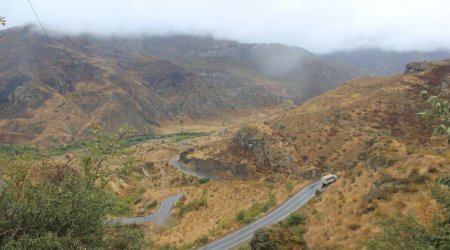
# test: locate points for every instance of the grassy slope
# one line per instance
(367, 132)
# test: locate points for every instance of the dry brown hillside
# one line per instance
(51, 90)
(367, 132)
(330, 131)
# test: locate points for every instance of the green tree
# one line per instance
(49, 205)
(100, 148)
(440, 109)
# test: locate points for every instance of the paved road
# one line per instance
(176, 163)
(238, 237)
(184, 142)
(157, 217)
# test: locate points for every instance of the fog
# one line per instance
(317, 25)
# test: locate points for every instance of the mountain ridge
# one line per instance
(52, 91)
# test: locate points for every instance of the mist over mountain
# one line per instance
(51, 91)
(321, 26)
(383, 62)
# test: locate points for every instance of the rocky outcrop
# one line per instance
(267, 155)
(417, 67)
(213, 167)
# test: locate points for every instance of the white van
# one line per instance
(327, 179)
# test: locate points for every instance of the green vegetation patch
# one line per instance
(249, 215)
(16, 149)
(191, 206)
(184, 135)
(286, 234)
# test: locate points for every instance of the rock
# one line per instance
(309, 173)
(416, 67)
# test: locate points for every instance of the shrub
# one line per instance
(194, 205)
(45, 205)
(201, 240)
(354, 226)
(249, 215)
(295, 219)
(289, 186)
(203, 180)
(152, 204)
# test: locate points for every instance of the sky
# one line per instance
(320, 26)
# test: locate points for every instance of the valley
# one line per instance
(379, 171)
(225, 142)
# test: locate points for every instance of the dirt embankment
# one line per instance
(213, 167)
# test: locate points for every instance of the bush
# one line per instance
(152, 204)
(295, 219)
(354, 227)
(183, 135)
(289, 186)
(406, 232)
(194, 205)
(203, 180)
(45, 205)
(249, 215)
(201, 240)
(125, 237)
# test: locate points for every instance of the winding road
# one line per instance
(176, 163)
(158, 217)
(238, 237)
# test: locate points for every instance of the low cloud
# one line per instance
(320, 26)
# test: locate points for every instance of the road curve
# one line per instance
(176, 163)
(238, 237)
(157, 217)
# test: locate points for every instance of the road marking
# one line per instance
(246, 232)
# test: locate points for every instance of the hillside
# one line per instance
(288, 71)
(383, 62)
(367, 132)
(52, 90)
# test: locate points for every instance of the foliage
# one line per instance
(125, 237)
(405, 232)
(102, 146)
(128, 141)
(246, 136)
(152, 204)
(183, 135)
(121, 206)
(18, 149)
(249, 215)
(289, 186)
(61, 150)
(201, 240)
(133, 140)
(2, 20)
(401, 233)
(287, 234)
(59, 205)
(440, 109)
(46, 241)
(193, 205)
(295, 219)
(203, 180)
(47, 205)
